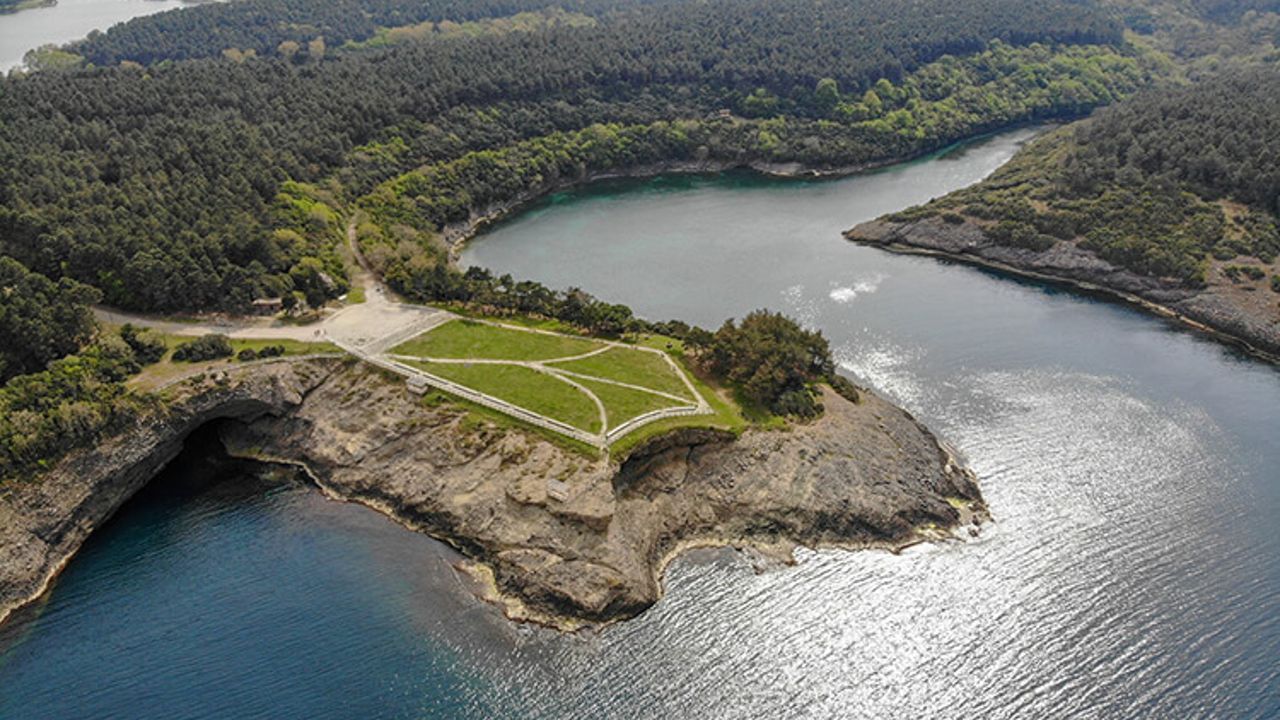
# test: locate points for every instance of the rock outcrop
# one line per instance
(564, 539)
(1214, 310)
(44, 521)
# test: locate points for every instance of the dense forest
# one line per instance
(40, 320)
(944, 100)
(170, 188)
(1158, 184)
(887, 34)
(1233, 10)
(197, 160)
(263, 26)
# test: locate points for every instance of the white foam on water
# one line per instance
(848, 293)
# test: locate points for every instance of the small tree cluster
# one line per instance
(208, 347)
(772, 361)
(147, 347)
(265, 353)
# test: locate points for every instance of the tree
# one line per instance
(207, 347)
(772, 361)
(40, 320)
(826, 96)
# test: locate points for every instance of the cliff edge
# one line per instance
(1232, 316)
(559, 538)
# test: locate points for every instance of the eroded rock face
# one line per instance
(567, 540)
(1216, 310)
(44, 521)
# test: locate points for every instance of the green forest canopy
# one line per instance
(181, 186)
(1139, 182)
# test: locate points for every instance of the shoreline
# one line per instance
(457, 236)
(1089, 288)
(27, 5)
(589, 560)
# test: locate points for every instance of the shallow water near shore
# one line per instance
(1133, 569)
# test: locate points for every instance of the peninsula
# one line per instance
(566, 539)
(1168, 200)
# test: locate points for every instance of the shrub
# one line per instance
(147, 347)
(1016, 233)
(845, 388)
(209, 347)
(247, 355)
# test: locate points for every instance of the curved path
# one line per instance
(692, 404)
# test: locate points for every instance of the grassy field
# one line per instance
(621, 404)
(461, 339)
(525, 387)
(636, 367)
(478, 414)
(526, 382)
(726, 416)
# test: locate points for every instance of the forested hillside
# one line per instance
(261, 26)
(203, 184)
(1161, 184)
(885, 35)
(949, 99)
(1233, 10)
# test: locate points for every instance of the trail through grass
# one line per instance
(462, 339)
(525, 387)
(636, 367)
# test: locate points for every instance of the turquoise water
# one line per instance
(1133, 569)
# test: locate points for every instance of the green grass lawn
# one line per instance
(636, 367)
(726, 416)
(468, 339)
(530, 389)
(621, 404)
(540, 393)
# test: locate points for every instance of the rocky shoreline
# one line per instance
(558, 538)
(1209, 310)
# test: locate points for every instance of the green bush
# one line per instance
(772, 362)
(1016, 233)
(209, 347)
(148, 348)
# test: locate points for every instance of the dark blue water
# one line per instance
(233, 590)
(1133, 469)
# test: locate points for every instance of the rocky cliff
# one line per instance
(44, 521)
(560, 538)
(1231, 316)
